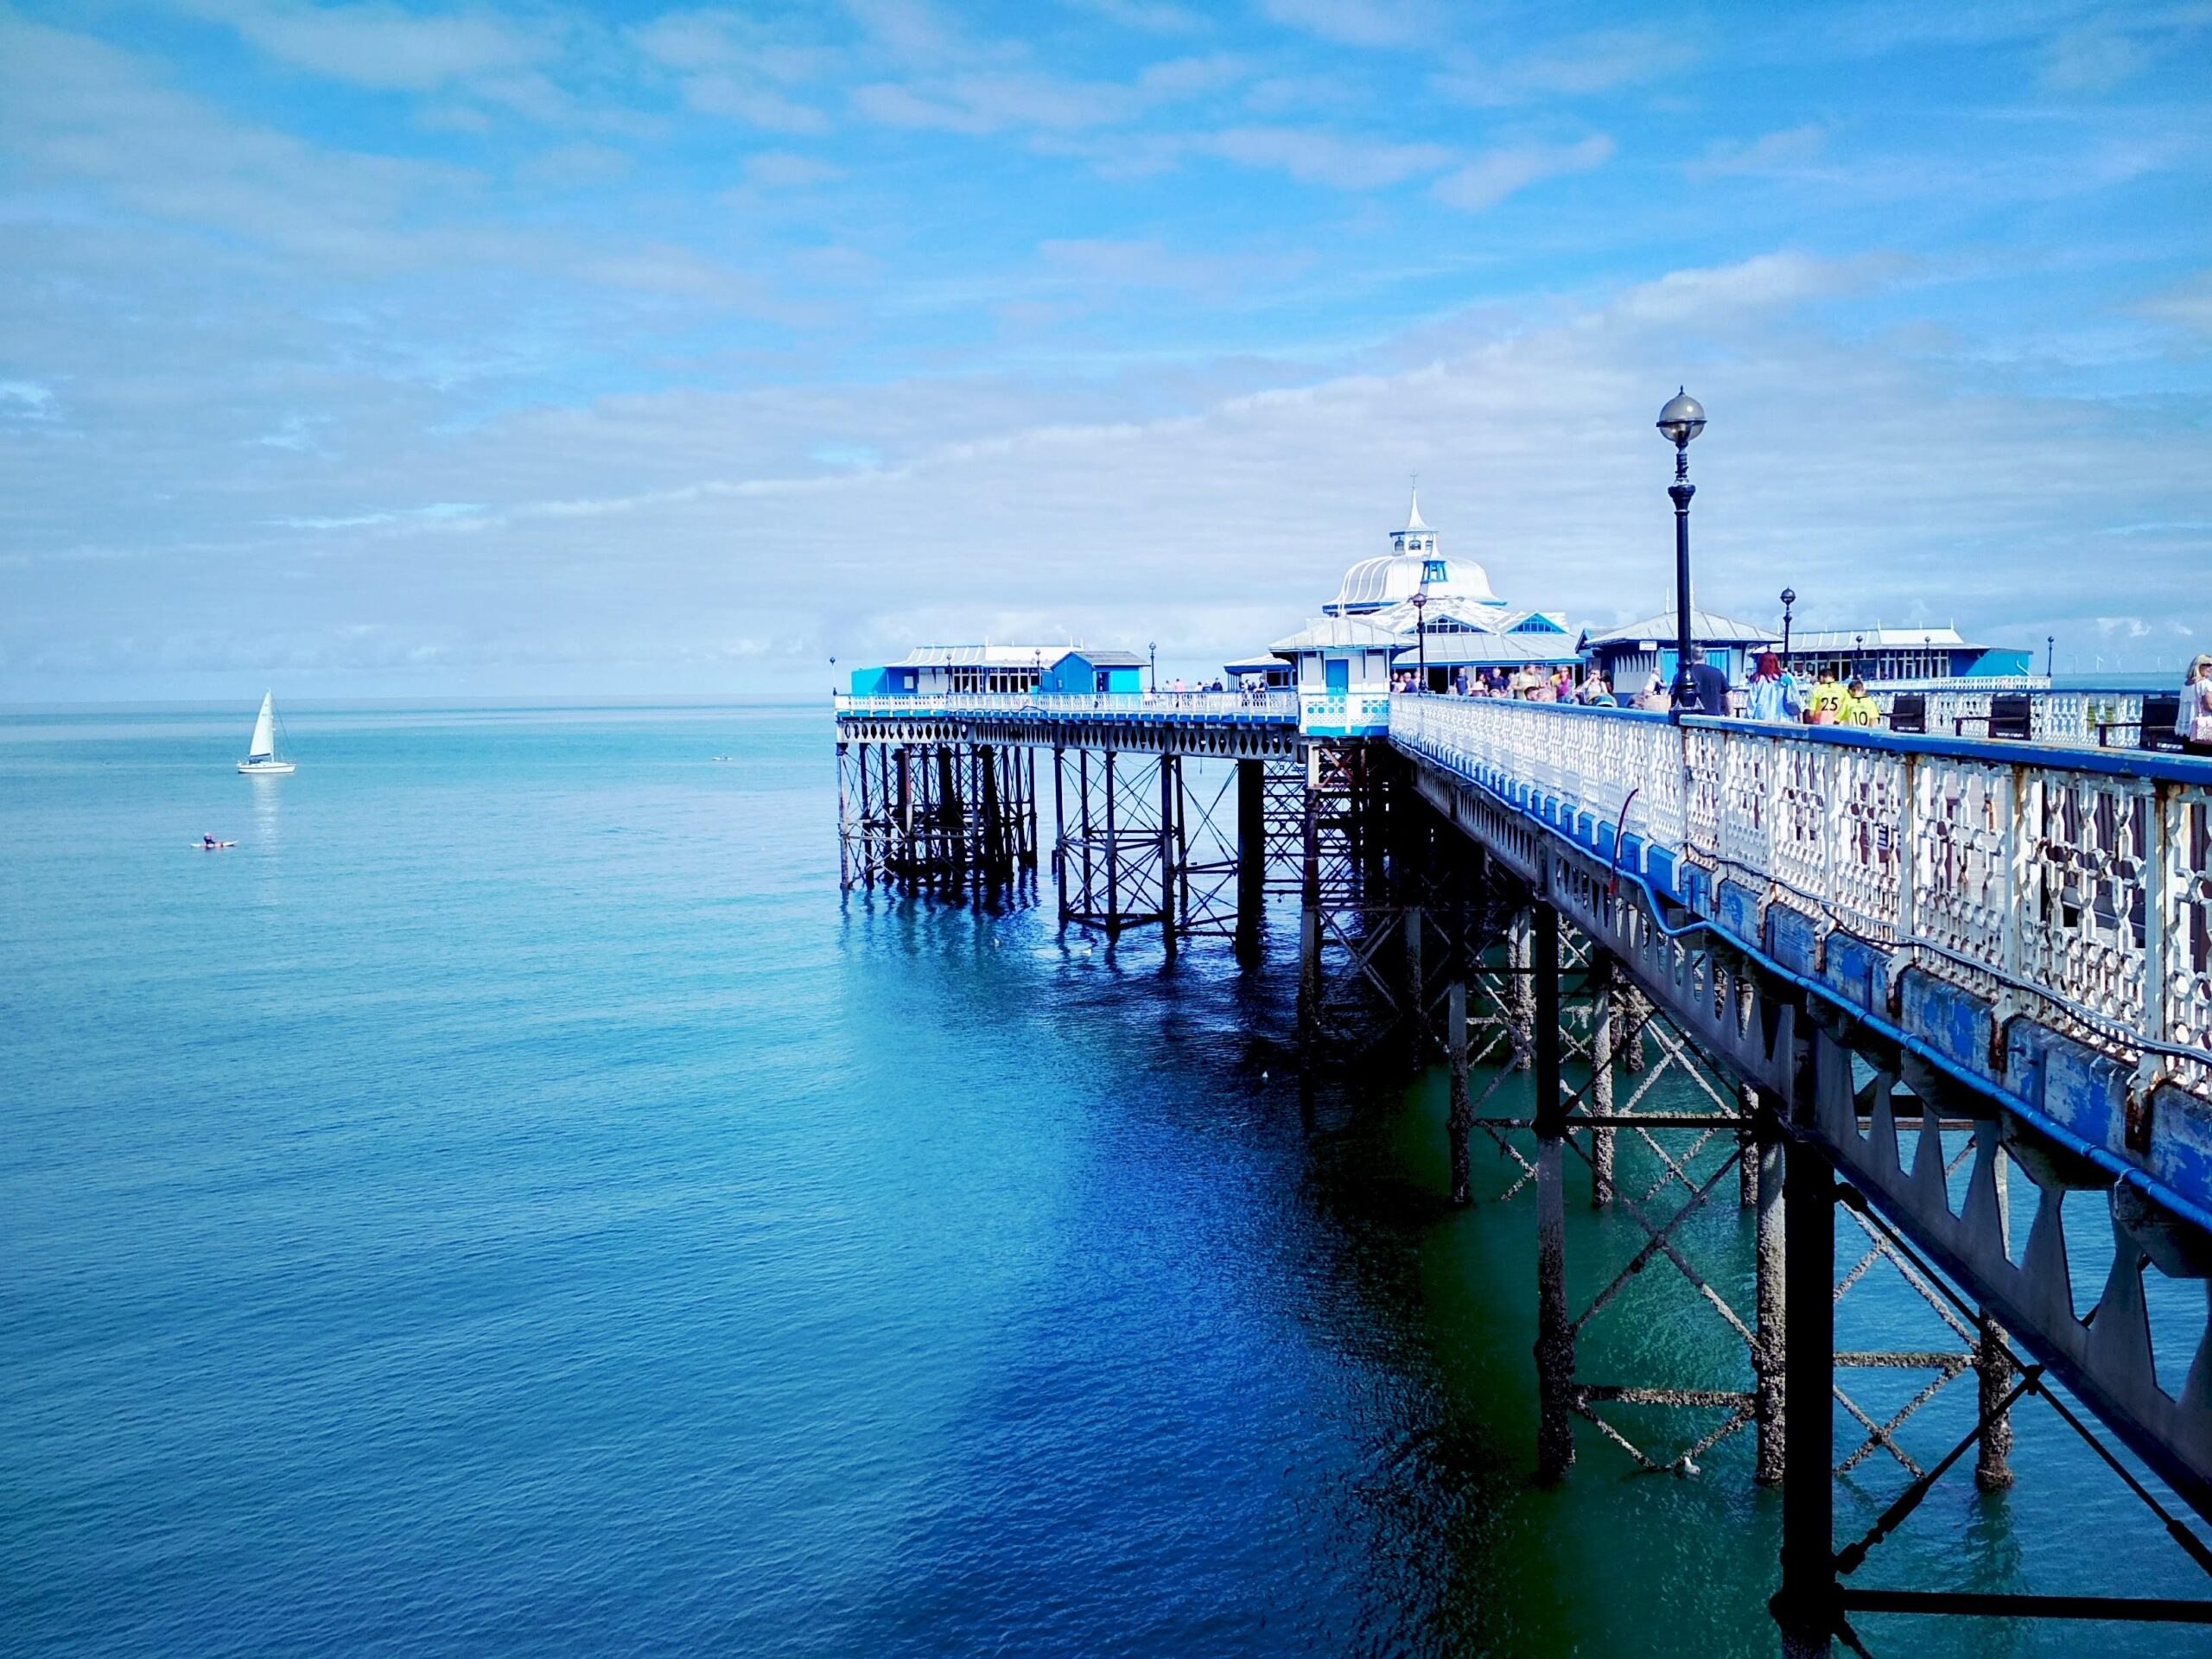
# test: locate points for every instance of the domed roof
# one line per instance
(1412, 566)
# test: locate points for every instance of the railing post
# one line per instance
(2017, 873)
(2159, 886)
(1908, 847)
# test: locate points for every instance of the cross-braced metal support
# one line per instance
(934, 814)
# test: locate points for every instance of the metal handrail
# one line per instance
(1210, 705)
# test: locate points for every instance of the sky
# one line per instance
(392, 350)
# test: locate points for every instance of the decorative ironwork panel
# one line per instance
(2088, 842)
(1862, 838)
(1962, 836)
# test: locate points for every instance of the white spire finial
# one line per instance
(1413, 518)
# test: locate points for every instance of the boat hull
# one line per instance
(266, 768)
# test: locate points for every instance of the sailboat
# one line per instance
(261, 756)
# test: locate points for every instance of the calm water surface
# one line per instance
(512, 1204)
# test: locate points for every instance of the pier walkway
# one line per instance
(1947, 984)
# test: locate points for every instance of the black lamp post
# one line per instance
(2049, 654)
(1789, 598)
(1682, 419)
(1858, 650)
(1420, 634)
(1152, 655)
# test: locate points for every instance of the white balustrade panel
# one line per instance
(1961, 862)
(2082, 912)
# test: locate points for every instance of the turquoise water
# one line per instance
(513, 1203)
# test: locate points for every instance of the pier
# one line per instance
(1949, 997)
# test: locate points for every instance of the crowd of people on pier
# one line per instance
(1769, 695)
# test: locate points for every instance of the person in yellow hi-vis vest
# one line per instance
(1856, 708)
(1824, 707)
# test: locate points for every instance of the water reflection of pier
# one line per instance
(1954, 996)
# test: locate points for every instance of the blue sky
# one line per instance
(392, 350)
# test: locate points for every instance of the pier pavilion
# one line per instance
(1890, 657)
(992, 670)
(1631, 655)
(1950, 998)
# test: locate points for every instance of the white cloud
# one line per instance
(26, 400)
(737, 100)
(653, 528)
(1156, 17)
(1580, 66)
(1316, 157)
(1772, 152)
(978, 102)
(781, 169)
(1490, 179)
(2092, 61)
(381, 46)
(2187, 307)
(1358, 22)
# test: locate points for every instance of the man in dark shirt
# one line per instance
(1707, 690)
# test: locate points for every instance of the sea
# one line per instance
(515, 1203)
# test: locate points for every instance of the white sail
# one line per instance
(263, 746)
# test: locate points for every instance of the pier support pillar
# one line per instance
(1603, 1004)
(1519, 1009)
(1460, 1121)
(1309, 930)
(997, 866)
(1060, 830)
(1770, 1294)
(1169, 882)
(1416, 992)
(1992, 1468)
(1028, 765)
(1806, 1606)
(951, 848)
(1628, 1013)
(905, 860)
(1554, 1330)
(1113, 856)
(1251, 857)
(1747, 1151)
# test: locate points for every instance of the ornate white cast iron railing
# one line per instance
(2085, 720)
(1210, 705)
(2077, 887)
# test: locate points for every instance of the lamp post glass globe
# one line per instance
(1681, 420)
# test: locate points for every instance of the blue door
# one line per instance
(1336, 674)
